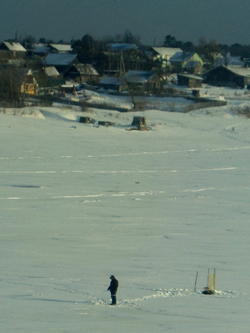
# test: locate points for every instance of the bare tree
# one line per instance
(10, 86)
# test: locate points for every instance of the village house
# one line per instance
(187, 61)
(49, 79)
(113, 83)
(12, 49)
(121, 57)
(161, 55)
(61, 61)
(144, 81)
(27, 81)
(232, 76)
(189, 80)
(60, 48)
(41, 50)
(81, 73)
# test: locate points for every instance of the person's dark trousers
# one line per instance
(113, 297)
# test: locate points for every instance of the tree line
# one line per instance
(90, 44)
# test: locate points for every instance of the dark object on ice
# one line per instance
(208, 291)
(113, 289)
(86, 120)
(140, 123)
(105, 123)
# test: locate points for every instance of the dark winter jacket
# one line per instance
(113, 286)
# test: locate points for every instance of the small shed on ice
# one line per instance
(140, 123)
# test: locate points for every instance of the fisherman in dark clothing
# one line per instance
(113, 289)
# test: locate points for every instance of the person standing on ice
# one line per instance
(113, 289)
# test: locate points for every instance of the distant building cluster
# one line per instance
(50, 68)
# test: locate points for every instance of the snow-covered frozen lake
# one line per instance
(81, 202)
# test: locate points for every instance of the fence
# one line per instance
(203, 105)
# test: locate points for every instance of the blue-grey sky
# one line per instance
(226, 21)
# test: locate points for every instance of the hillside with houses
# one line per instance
(49, 71)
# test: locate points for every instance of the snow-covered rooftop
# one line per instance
(51, 71)
(138, 76)
(112, 80)
(12, 46)
(61, 47)
(166, 51)
(86, 69)
(242, 71)
(181, 56)
(60, 59)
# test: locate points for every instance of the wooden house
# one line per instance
(81, 73)
(232, 76)
(28, 83)
(161, 55)
(163, 52)
(189, 80)
(60, 48)
(193, 67)
(180, 61)
(12, 49)
(144, 81)
(113, 83)
(41, 50)
(61, 61)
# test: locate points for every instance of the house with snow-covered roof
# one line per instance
(41, 49)
(113, 83)
(61, 61)
(163, 52)
(180, 61)
(13, 49)
(189, 80)
(161, 55)
(81, 72)
(232, 76)
(144, 81)
(60, 48)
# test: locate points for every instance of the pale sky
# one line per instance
(226, 21)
